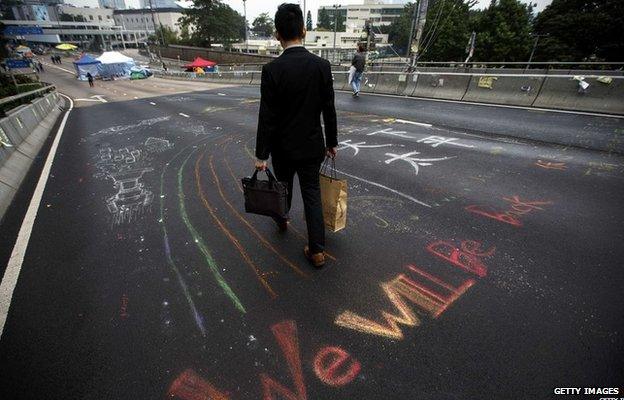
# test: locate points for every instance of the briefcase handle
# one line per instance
(270, 175)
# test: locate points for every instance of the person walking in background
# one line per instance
(53, 59)
(296, 88)
(90, 79)
(40, 65)
(358, 62)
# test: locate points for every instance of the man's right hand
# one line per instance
(331, 152)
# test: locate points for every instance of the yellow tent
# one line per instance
(66, 46)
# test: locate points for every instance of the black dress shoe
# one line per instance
(282, 225)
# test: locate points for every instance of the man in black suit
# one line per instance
(296, 88)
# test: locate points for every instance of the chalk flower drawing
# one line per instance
(414, 162)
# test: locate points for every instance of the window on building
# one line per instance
(91, 17)
(100, 17)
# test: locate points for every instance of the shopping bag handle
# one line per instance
(269, 174)
(332, 169)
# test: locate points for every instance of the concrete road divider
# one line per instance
(340, 80)
(369, 82)
(387, 83)
(441, 86)
(568, 94)
(22, 134)
(513, 90)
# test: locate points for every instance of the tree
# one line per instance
(446, 31)
(324, 22)
(212, 21)
(503, 31)
(399, 29)
(263, 25)
(166, 33)
(576, 30)
(309, 21)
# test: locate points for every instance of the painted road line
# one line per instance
(62, 69)
(403, 121)
(9, 280)
(136, 98)
(184, 115)
(152, 103)
(222, 94)
(379, 185)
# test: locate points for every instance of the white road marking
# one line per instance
(97, 97)
(135, 97)
(152, 103)
(184, 115)
(11, 274)
(407, 196)
(222, 94)
(403, 121)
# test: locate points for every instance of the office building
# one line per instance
(159, 4)
(356, 15)
(113, 4)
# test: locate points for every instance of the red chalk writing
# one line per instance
(467, 256)
(190, 386)
(124, 307)
(518, 208)
(286, 335)
(335, 367)
(561, 166)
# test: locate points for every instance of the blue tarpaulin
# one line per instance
(86, 64)
(114, 64)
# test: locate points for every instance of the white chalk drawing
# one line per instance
(119, 129)
(413, 161)
(157, 145)
(435, 141)
(132, 199)
(125, 167)
(346, 144)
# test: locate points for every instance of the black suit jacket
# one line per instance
(296, 88)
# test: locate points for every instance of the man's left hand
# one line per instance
(261, 165)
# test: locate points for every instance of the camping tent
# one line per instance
(199, 62)
(86, 64)
(114, 64)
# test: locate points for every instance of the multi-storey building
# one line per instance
(114, 4)
(158, 4)
(143, 19)
(355, 15)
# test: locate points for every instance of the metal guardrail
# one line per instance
(11, 102)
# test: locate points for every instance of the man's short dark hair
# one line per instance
(289, 21)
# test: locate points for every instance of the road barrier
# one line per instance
(22, 134)
(605, 93)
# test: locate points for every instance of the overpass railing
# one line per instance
(589, 91)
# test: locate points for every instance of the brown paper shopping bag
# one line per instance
(334, 199)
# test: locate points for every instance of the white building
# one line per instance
(114, 4)
(379, 13)
(158, 4)
(143, 19)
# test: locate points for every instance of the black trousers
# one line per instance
(308, 173)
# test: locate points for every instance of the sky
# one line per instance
(256, 7)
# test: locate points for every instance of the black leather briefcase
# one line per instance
(266, 197)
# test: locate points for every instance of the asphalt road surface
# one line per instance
(478, 262)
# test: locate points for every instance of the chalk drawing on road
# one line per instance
(346, 144)
(561, 166)
(416, 163)
(157, 145)
(132, 198)
(97, 98)
(391, 132)
(119, 129)
(435, 141)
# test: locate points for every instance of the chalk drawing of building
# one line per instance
(131, 199)
(157, 145)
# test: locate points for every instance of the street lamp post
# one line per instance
(245, 13)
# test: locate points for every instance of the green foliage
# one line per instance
(324, 22)
(503, 31)
(165, 33)
(212, 21)
(447, 30)
(399, 30)
(579, 30)
(263, 25)
(309, 21)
